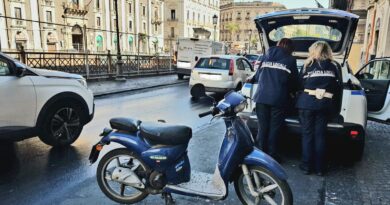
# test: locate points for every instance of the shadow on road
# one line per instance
(8, 160)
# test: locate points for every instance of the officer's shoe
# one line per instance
(305, 169)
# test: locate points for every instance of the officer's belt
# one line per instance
(319, 93)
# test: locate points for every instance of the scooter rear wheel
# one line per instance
(272, 190)
(114, 190)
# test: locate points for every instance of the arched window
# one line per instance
(99, 43)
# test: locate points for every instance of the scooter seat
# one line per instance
(163, 134)
(125, 124)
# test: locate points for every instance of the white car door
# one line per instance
(375, 79)
(17, 99)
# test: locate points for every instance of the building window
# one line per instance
(144, 11)
(193, 16)
(129, 7)
(204, 19)
(155, 28)
(188, 15)
(49, 17)
(75, 2)
(198, 18)
(173, 14)
(18, 12)
(98, 4)
(238, 37)
(144, 27)
(130, 25)
(172, 32)
(98, 23)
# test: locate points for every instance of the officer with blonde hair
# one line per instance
(319, 84)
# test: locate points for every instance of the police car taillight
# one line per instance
(231, 67)
(354, 134)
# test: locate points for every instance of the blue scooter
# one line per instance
(155, 161)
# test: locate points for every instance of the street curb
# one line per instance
(136, 89)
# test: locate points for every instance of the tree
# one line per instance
(233, 27)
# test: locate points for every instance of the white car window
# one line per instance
(4, 69)
(247, 66)
(240, 65)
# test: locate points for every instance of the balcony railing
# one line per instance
(172, 19)
(47, 3)
(75, 9)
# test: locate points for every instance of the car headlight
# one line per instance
(83, 82)
(240, 107)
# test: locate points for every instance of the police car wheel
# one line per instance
(357, 150)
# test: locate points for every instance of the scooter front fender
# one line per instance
(259, 158)
(131, 142)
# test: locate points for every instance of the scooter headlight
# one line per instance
(240, 107)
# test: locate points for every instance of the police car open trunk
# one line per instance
(305, 26)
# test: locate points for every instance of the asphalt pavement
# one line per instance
(34, 173)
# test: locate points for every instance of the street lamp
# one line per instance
(215, 22)
(250, 38)
(118, 45)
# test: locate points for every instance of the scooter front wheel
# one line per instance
(271, 190)
(114, 189)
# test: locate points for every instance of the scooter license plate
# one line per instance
(94, 155)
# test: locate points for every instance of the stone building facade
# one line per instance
(238, 29)
(82, 25)
(372, 39)
(190, 18)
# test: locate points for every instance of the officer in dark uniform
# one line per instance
(319, 80)
(277, 77)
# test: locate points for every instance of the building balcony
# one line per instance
(238, 18)
(47, 3)
(247, 18)
(18, 23)
(74, 9)
(173, 20)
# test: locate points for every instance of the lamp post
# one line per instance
(250, 38)
(215, 22)
(119, 62)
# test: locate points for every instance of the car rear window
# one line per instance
(213, 63)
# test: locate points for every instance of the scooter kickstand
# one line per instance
(168, 199)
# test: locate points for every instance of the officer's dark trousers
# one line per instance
(270, 121)
(313, 124)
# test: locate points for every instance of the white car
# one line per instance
(304, 27)
(53, 105)
(221, 73)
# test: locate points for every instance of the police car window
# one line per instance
(305, 31)
(376, 70)
(4, 69)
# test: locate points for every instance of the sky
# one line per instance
(299, 3)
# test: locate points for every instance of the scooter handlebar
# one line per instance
(203, 114)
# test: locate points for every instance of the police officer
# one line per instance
(319, 80)
(277, 76)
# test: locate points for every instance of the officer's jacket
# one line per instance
(277, 76)
(320, 75)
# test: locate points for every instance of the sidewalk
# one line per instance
(100, 88)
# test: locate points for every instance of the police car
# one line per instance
(364, 95)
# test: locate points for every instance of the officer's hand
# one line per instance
(248, 80)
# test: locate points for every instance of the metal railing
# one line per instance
(95, 65)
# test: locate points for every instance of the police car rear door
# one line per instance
(375, 79)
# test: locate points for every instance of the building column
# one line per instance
(124, 37)
(35, 25)
(3, 29)
(108, 23)
(136, 25)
